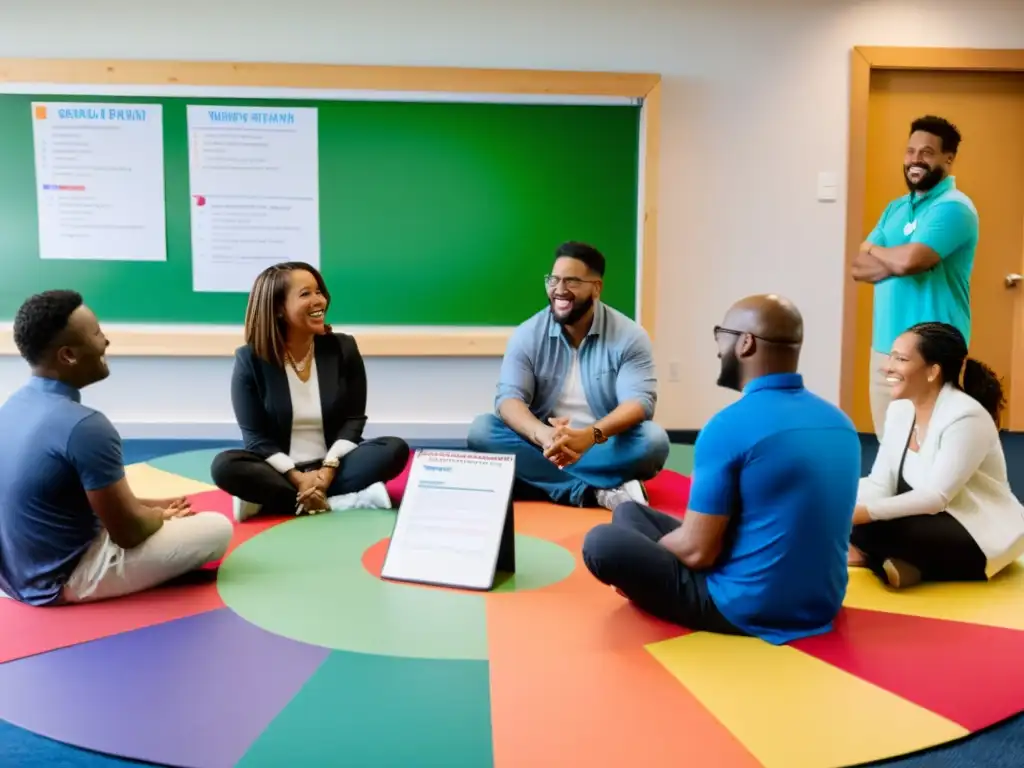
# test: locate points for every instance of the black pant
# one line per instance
(245, 475)
(937, 545)
(626, 554)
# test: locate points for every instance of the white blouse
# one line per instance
(308, 443)
(960, 468)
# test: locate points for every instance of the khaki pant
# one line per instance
(879, 391)
(181, 545)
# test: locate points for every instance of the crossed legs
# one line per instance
(637, 454)
(907, 550)
(248, 477)
(180, 546)
(625, 554)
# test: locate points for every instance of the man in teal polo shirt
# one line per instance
(921, 253)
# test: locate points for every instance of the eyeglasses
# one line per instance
(572, 283)
(719, 329)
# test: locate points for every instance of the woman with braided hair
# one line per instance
(937, 505)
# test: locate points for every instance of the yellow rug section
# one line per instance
(149, 482)
(792, 710)
(996, 603)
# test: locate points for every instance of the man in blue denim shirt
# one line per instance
(576, 394)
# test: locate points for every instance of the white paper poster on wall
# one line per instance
(100, 181)
(254, 185)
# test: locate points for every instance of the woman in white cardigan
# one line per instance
(937, 505)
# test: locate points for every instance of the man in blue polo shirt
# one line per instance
(762, 549)
(71, 530)
(920, 255)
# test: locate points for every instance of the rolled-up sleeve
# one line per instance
(516, 379)
(636, 379)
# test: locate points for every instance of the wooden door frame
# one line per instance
(863, 61)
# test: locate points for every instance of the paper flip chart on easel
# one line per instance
(455, 526)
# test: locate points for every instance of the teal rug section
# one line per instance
(195, 465)
(680, 459)
(385, 712)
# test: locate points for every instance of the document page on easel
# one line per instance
(451, 520)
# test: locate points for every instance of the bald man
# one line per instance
(762, 548)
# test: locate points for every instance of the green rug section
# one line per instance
(383, 711)
(304, 579)
(195, 465)
(680, 459)
(539, 564)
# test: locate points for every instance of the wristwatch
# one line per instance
(599, 435)
(332, 463)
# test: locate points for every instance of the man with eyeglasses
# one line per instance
(576, 395)
(762, 548)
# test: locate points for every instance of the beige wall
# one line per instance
(754, 107)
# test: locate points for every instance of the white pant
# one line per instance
(879, 391)
(181, 545)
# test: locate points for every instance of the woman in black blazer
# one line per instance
(299, 395)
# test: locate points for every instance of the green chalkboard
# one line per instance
(430, 213)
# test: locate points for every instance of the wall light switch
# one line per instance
(828, 187)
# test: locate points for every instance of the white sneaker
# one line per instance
(375, 497)
(372, 497)
(343, 502)
(243, 510)
(610, 498)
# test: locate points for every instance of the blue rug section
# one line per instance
(136, 451)
(1001, 746)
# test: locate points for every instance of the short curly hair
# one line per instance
(41, 319)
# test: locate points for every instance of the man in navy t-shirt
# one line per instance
(763, 546)
(71, 529)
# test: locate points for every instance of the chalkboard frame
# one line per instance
(441, 83)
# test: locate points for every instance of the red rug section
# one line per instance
(219, 501)
(373, 557)
(29, 630)
(969, 673)
(669, 491)
(396, 487)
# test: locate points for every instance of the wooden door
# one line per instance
(988, 109)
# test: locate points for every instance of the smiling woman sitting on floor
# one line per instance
(937, 505)
(299, 395)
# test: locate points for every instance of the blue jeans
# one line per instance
(637, 454)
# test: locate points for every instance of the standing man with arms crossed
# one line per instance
(921, 253)
(576, 394)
